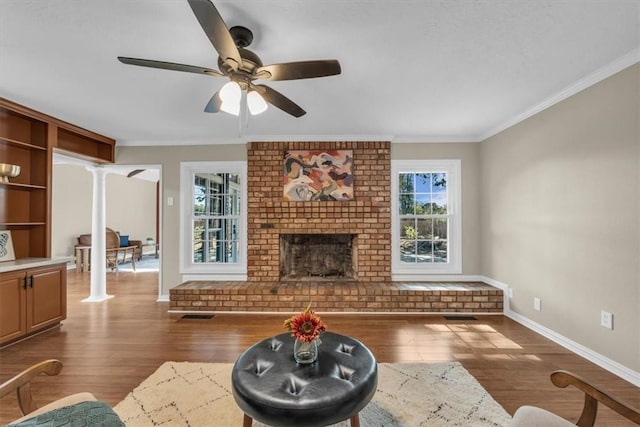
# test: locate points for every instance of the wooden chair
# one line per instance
(117, 254)
(21, 384)
(529, 416)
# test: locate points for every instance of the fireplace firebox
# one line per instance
(318, 257)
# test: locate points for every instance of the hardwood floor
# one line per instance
(108, 348)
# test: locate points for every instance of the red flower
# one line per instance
(305, 326)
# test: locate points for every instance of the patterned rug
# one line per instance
(146, 265)
(408, 395)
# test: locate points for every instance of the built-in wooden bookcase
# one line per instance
(24, 201)
(74, 141)
(27, 139)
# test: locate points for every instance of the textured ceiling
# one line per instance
(420, 70)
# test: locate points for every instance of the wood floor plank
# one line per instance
(108, 348)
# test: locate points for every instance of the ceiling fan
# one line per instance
(242, 67)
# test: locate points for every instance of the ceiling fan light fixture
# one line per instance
(231, 108)
(256, 103)
(231, 93)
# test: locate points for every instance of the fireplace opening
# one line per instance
(318, 256)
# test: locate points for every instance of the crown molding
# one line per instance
(597, 76)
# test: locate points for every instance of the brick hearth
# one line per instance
(392, 297)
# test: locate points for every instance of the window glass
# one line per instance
(216, 217)
(426, 220)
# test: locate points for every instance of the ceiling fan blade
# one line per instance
(169, 66)
(135, 172)
(213, 106)
(217, 31)
(301, 70)
(278, 100)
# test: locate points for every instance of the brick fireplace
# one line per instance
(362, 225)
(367, 217)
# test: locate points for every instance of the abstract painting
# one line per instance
(6, 246)
(318, 175)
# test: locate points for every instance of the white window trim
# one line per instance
(221, 271)
(406, 271)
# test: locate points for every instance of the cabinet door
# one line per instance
(13, 302)
(46, 297)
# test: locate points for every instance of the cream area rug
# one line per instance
(408, 395)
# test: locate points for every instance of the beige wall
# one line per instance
(560, 215)
(551, 207)
(469, 155)
(170, 157)
(71, 198)
(130, 206)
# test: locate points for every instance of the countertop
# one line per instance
(24, 263)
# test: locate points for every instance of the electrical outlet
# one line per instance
(169, 201)
(606, 319)
(510, 292)
(537, 304)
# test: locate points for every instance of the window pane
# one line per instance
(406, 204)
(233, 203)
(424, 251)
(425, 228)
(232, 227)
(408, 228)
(439, 182)
(214, 251)
(439, 203)
(198, 205)
(440, 229)
(198, 240)
(405, 183)
(423, 183)
(232, 250)
(440, 251)
(216, 205)
(234, 178)
(407, 250)
(423, 204)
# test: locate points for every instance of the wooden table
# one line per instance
(114, 257)
(146, 245)
(83, 258)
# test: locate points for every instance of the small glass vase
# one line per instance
(305, 352)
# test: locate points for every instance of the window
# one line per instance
(426, 218)
(214, 218)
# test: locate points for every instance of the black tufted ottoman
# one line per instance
(270, 387)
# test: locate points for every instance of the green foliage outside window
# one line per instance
(423, 212)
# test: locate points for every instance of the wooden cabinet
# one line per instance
(32, 300)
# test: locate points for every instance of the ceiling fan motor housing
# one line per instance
(250, 61)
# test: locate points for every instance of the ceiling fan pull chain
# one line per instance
(244, 114)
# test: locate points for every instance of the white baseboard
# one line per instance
(604, 362)
(435, 278)
(214, 277)
(163, 298)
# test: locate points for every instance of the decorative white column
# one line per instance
(98, 238)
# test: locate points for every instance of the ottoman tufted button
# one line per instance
(270, 387)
